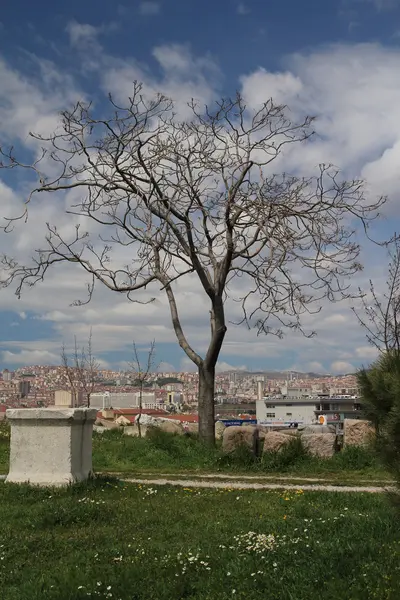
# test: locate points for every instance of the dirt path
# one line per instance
(255, 478)
(246, 485)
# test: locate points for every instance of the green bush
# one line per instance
(289, 456)
(380, 393)
(241, 458)
(356, 458)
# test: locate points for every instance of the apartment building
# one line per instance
(281, 410)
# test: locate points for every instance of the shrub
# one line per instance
(380, 393)
(356, 458)
(287, 457)
(241, 458)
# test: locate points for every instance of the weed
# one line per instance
(109, 539)
(288, 457)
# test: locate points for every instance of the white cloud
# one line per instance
(354, 90)
(342, 367)
(32, 103)
(166, 367)
(367, 352)
(224, 366)
(315, 367)
(82, 33)
(242, 9)
(382, 4)
(149, 8)
(336, 319)
(354, 93)
(30, 357)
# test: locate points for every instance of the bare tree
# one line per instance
(380, 312)
(198, 197)
(141, 374)
(82, 373)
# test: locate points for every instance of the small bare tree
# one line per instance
(197, 197)
(82, 373)
(141, 374)
(379, 315)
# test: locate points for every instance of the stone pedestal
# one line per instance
(50, 446)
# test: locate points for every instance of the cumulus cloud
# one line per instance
(354, 91)
(224, 366)
(367, 352)
(342, 367)
(82, 33)
(166, 367)
(30, 357)
(149, 8)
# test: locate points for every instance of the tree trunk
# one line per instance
(206, 404)
(138, 418)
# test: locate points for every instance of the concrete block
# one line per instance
(50, 446)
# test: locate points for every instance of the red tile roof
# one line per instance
(136, 411)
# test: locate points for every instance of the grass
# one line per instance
(114, 452)
(163, 453)
(108, 539)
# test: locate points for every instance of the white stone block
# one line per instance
(50, 446)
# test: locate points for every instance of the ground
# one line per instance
(179, 456)
(114, 539)
(111, 539)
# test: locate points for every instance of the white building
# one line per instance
(296, 391)
(67, 398)
(283, 411)
(148, 400)
(123, 400)
(7, 376)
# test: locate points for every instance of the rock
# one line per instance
(107, 424)
(357, 432)
(191, 427)
(262, 432)
(98, 429)
(275, 440)
(133, 430)
(171, 427)
(219, 430)
(148, 420)
(235, 437)
(306, 429)
(123, 421)
(322, 445)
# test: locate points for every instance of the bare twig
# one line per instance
(83, 372)
(197, 197)
(141, 374)
(380, 311)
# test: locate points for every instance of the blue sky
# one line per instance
(338, 59)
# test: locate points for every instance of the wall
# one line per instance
(300, 412)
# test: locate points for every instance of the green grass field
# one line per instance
(122, 541)
(114, 452)
(163, 453)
